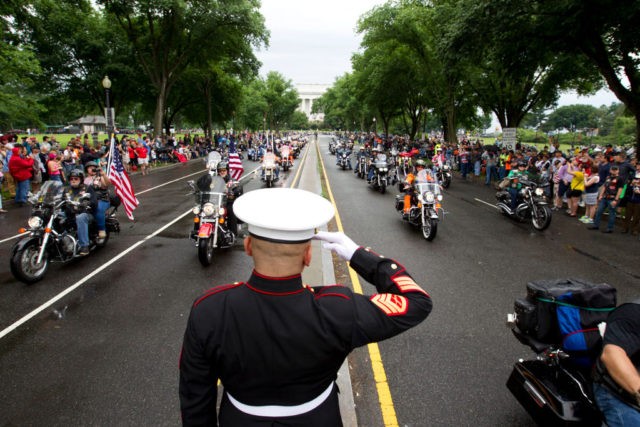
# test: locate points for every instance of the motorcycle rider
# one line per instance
(377, 156)
(514, 183)
(339, 152)
(270, 155)
(617, 378)
(234, 191)
(76, 191)
(99, 183)
(421, 173)
(438, 160)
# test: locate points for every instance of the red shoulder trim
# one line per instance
(216, 290)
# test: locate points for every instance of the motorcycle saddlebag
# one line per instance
(552, 395)
(568, 312)
(112, 225)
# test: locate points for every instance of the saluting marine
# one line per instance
(275, 343)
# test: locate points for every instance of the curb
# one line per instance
(321, 271)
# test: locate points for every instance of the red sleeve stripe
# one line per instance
(391, 304)
(407, 284)
(332, 294)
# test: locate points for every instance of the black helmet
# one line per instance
(223, 165)
(76, 173)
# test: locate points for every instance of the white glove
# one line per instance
(340, 243)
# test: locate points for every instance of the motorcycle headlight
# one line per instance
(439, 197)
(208, 209)
(429, 196)
(539, 192)
(383, 169)
(446, 167)
(222, 211)
(196, 210)
(35, 222)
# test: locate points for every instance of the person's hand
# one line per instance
(340, 243)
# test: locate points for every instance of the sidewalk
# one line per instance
(320, 272)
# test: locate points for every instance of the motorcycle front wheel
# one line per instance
(540, 217)
(24, 263)
(205, 251)
(430, 229)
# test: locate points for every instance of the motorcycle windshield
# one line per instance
(428, 187)
(285, 151)
(49, 191)
(269, 160)
(213, 159)
(216, 193)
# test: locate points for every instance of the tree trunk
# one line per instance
(637, 115)
(157, 118)
(209, 126)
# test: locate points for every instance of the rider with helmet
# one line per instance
(515, 176)
(439, 158)
(77, 192)
(270, 154)
(234, 190)
(422, 174)
(377, 156)
(98, 183)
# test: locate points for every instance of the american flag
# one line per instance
(121, 182)
(235, 164)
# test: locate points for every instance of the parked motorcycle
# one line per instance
(343, 158)
(555, 386)
(532, 204)
(52, 233)
(380, 178)
(424, 213)
(211, 226)
(444, 175)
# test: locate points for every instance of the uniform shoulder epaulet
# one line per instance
(217, 290)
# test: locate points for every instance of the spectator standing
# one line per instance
(608, 198)
(142, 154)
(21, 168)
(632, 211)
(8, 181)
(576, 186)
(54, 167)
(592, 185)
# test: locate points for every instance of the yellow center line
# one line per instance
(379, 375)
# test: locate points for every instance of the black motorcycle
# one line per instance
(532, 203)
(51, 233)
(361, 166)
(343, 158)
(559, 320)
(444, 175)
(424, 213)
(380, 178)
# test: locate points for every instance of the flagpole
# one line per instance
(111, 145)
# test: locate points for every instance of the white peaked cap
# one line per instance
(283, 215)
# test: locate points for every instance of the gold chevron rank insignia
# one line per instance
(406, 284)
(391, 304)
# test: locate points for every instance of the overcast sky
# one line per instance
(312, 42)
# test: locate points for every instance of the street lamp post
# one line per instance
(108, 111)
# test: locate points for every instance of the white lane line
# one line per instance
(488, 204)
(12, 237)
(80, 282)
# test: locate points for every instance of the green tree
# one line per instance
(168, 36)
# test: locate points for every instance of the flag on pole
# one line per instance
(120, 181)
(235, 164)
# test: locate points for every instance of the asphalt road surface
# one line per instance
(107, 353)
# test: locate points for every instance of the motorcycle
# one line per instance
(361, 168)
(211, 226)
(533, 204)
(269, 169)
(380, 178)
(286, 161)
(332, 146)
(52, 233)
(444, 175)
(428, 205)
(343, 158)
(555, 386)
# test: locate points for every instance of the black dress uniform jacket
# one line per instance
(275, 341)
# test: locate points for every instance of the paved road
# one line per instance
(109, 357)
